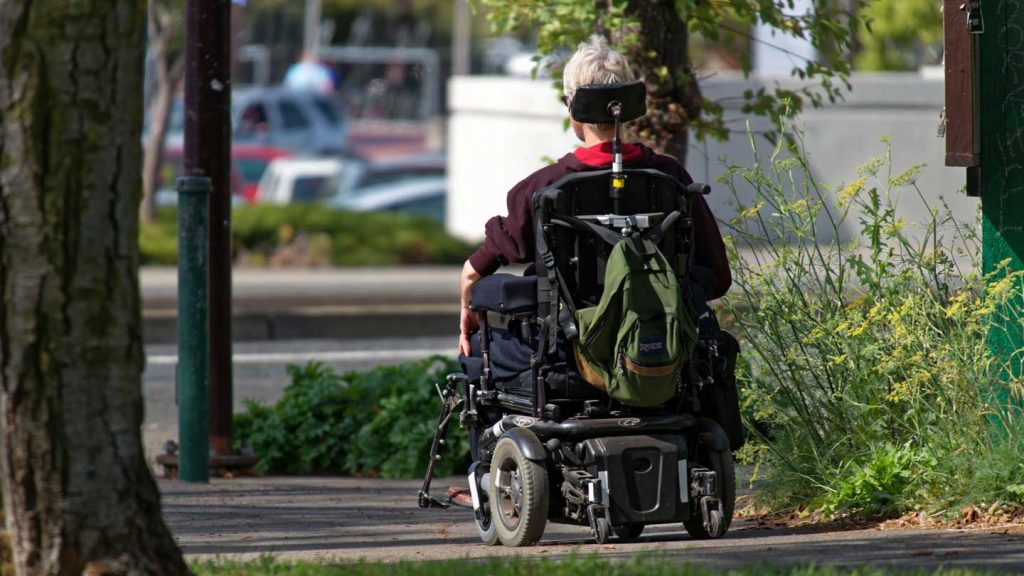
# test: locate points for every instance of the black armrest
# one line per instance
(506, 294)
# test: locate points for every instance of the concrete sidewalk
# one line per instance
(337, 303)
(351, 518)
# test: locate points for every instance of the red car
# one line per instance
(248, 162)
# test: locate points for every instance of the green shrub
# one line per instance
(867, 379)
(158, 240)
(346, 238)
(374, 422)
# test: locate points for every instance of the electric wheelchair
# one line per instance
(548, 446)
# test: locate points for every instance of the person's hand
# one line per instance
(467, 324)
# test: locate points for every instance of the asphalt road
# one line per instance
(259, 372)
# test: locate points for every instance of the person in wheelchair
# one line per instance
(509, 239)
(596, 387)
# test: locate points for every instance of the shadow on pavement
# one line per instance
(352, 518)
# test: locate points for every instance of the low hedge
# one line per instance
(303, 234)
(377, 422)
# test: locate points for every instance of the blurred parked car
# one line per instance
(250, 162)
(172, 165)
(425, 196)
(288, 180)
(396, 169)
(298, 122)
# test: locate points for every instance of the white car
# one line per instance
(290, 180)
(424, 196)
(361, 173)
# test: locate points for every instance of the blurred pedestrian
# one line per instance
(309, 74)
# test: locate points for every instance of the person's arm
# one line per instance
(710, 249)
(468, 320)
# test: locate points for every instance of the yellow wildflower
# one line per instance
(752, 211)
(851, 190)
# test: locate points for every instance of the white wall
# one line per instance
(500, 129)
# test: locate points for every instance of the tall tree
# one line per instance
(902, 34)
(77, 492)
(655, 35)
(166, 36)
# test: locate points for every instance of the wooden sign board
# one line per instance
(963, 142)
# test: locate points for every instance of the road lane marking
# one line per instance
(326, 356)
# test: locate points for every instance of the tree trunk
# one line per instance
(153, 152)
(674, 99)
(77, 493)
(167, 78)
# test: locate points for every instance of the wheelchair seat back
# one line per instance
(579, 257)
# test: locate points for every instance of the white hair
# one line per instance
(595, 62)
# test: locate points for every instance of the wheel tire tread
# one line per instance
(535, 481)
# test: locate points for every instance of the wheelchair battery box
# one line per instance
(643, 479)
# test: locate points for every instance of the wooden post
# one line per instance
(963, 145)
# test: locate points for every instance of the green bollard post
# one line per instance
(193, 329)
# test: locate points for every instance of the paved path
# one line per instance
(348, 519)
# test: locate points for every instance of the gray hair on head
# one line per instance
(595, 62)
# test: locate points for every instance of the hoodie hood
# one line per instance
(600, 155)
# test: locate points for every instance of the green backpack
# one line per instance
(635, 341)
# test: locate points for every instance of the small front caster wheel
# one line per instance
(716, 524)
(602, 530)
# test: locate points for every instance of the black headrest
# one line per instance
(592, 103)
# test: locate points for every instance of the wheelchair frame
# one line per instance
(611, 467)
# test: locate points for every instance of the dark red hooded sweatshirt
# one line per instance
(510, 238)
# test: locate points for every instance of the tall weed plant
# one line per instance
(868, 386)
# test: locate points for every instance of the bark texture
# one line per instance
(674, 99)
(77, 493)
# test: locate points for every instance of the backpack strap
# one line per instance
(549, 328)
(609, 236)
(646, 243)
(653, 234)
(657, 233)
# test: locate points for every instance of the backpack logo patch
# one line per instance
(652, 346)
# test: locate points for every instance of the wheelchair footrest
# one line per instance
(427, 501)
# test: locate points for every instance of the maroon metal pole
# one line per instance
(208, 153)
